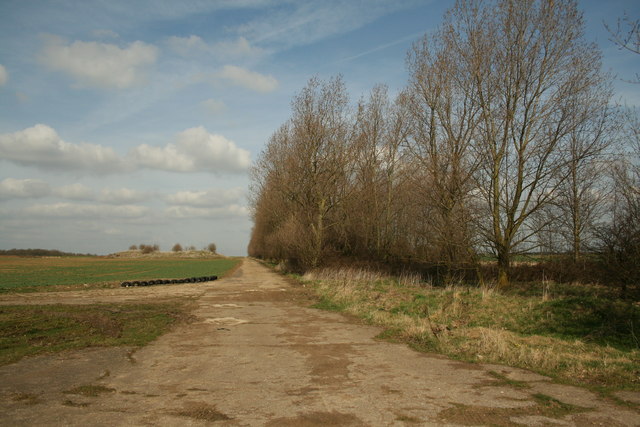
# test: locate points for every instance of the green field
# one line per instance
(26, 274)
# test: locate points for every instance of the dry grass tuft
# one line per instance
(482, 324)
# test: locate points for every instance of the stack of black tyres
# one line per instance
(168, 281)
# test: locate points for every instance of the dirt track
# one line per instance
(255, 355)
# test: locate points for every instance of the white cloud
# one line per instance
(227, 49)
(41, 146)
(209, 198)
(242, 77)
(121, 196)
(101, 65)
(4, 76)
(75, 191)
(214, 106)
(186, 46)
(195, 150)
(299, 23)
(87, 211)
(237, 48)
(230, 211)
(11, 188)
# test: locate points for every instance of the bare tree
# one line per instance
(626, 35)
(526, 62)
(582, 194)
(444, 117)
(302, 174)
(380, 130)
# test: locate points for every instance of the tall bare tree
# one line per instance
(444, 117)
(380, 129)
(526, 62)
(582, 194)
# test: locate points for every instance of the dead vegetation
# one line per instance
(583, 336)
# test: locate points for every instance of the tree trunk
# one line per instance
(318, 235)
(504, 261)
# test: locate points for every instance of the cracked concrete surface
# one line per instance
(256, 355)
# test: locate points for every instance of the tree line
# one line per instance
(504, 140)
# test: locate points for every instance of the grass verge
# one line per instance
(27, 330)
(578, 334)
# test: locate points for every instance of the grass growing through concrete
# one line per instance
(580, 334)
(32, 330)
(28, 274)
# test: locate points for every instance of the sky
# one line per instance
(127, 122)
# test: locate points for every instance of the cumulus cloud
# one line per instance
(187, 45)
(227, 212)
(86, 211)
(75, 191)
(4, 76)
(209, 198)
(247, 79)
(11, 188)
(227, 49)
(101, 65)
(214, 106)
(41, 146)
(195, 150)
(121, 196)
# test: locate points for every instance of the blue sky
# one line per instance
(135, 122)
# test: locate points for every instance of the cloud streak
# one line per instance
(208, 198)
(86, 211)
(4, 76)
(194, 46)
(225, 212)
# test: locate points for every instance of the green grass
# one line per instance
(32, 330)
(19, 274)
(575, 333)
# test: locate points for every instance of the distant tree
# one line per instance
(147, 249)
(212, 247)
(191, 248)
(177, 248)
(133, 248)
